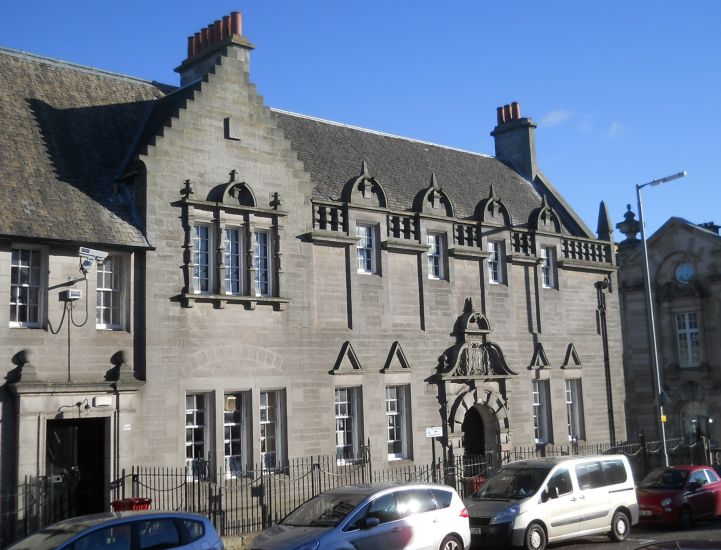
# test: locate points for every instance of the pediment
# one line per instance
(347, 362)
(396, 361)
(572, 360)
(539, 359)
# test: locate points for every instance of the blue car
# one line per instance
(126, 531)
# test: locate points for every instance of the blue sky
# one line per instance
(623, 91)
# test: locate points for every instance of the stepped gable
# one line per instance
(65, 132)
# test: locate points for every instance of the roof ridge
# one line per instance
(379, 133)
(76, 66)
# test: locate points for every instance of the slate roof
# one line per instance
(65, 131)
(333, 154)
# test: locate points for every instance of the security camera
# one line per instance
(92, 254)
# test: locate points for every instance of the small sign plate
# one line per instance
(435, 431)
(126, 427)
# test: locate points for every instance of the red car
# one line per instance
(679, 495)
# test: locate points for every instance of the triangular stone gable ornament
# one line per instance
(347, 362)
(572, 361)
(539, 359)
(396, 360)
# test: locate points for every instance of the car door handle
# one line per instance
(397, 530)
(574, 499)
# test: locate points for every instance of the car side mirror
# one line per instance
(545, 496)
(693, 486)
(369, 523)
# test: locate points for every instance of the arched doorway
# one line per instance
(474, 441)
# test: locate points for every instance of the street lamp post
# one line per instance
(649, 304)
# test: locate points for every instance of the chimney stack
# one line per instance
(515, 140)
(210, 43)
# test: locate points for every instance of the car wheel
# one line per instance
(620, 527)
(535, 537)
(451, 542)
(685, 518)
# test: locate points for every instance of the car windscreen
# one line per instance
(664, 478)
(325, 510)
(513, 483)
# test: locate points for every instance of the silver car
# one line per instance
(365, 517)
(126, 531)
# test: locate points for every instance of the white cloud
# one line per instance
(615, 130)
(554, 118)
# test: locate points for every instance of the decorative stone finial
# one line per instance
(629, 226)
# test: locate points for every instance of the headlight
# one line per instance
(309, 546)
(507, 515)
(666, 502)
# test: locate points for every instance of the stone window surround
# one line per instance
(354, 415)
(371, 249)
(573, 397)
(541, 403)
(496, 262)
(123, 291)
(402, 399)
(685, 363)
(280, 427)
(232, 440)
(43, 286)
(549, 265)
(219, 217)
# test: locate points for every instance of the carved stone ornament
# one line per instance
(492, 210)
(545, 218)
(473, 356)
(364, 189)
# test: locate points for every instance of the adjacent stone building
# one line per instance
(279, 286)
(685, 276)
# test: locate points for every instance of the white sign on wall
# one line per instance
(435, 431)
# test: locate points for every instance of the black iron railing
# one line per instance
(246, 499)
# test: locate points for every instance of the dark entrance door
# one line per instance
(75, 454)
(473, 433)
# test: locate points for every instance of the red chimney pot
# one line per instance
(191, 46)
(507, 113)
(226, 26)
(196, 43)
(516, 110)
(499, 116)
(236, 25)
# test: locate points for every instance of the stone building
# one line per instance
(279, 286)
(685, 276)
